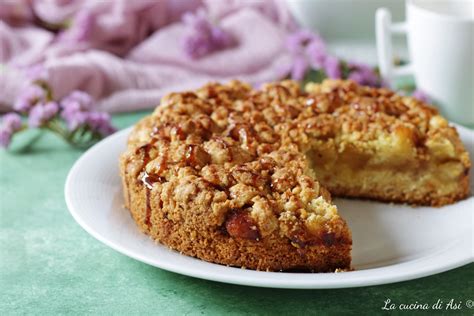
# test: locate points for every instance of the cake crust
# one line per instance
(238, 176)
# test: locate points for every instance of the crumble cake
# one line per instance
(240, 177)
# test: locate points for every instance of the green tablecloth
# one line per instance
(50, 265)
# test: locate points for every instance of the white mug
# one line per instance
(441, 47)
(342, 20)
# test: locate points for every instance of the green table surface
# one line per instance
(49, 265)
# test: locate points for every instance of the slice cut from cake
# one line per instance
(238, 176)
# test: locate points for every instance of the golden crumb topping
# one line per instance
(243, 151)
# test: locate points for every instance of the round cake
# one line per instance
(238, 176)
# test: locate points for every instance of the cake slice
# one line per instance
(238, 176)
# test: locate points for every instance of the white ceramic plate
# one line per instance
(391, 243)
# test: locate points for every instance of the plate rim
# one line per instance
(357, 278)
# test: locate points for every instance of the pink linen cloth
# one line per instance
(125, 67)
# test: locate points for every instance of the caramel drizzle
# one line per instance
(146, 178)
(190, 156)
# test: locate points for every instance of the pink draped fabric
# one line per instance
(127, 54)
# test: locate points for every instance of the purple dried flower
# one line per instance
(12, 121)
(28, 98)
(36, 116)
(51, 109)
(100, 122)
(78, 101)
(420, 95)
(74, 108)
(78, 110)
(316, 52)
(41, 113)
(300, 67)
(37, 73)
(197, 21)
(364, 78)
(356, 76)
(332, 67)
(308, 50)
(363, 74)
(203, 37)
(197, 45)
(297, 42)
(221, 38)
(74, 119)
(5, 137)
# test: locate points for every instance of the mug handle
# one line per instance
(384, 29)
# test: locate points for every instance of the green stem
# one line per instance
(55, 126)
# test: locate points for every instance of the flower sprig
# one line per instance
(311, 61)
(73, 118)
(204, 36)
(310, 57)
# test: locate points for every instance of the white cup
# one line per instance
(440, 44)
(342, 20)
